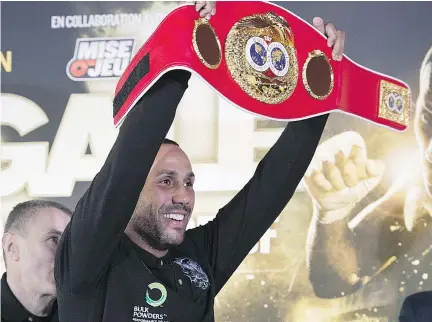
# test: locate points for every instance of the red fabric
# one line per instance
(356, 89)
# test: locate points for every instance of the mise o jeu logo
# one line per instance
(162, 298)
(100, 58)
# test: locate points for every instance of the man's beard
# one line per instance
(147, 223)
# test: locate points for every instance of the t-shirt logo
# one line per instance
(162, 298)
(194, 271)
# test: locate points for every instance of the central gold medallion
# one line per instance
(261, 57)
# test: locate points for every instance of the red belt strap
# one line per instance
(265, 60)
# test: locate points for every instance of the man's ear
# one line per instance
(11, 247)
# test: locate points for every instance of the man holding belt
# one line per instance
(126, 256)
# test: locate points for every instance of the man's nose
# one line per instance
(182, 196)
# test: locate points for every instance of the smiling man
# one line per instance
(30, 239)
(126, 255)
(165, 205)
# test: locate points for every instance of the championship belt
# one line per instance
(265, 60)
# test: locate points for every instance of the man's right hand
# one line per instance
(341, 175)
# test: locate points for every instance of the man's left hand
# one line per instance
(206, 8)
(336, 38)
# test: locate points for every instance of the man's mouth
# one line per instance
(176, 217)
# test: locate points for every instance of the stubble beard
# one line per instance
(149, 227)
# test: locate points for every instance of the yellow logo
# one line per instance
(6, 61)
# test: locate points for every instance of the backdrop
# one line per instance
(56, 133)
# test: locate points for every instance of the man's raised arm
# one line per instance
(240, 224)
(104, 211)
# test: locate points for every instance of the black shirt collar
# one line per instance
(148, 259)
(13, 311)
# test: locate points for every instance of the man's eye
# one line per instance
(54, 240)
(189, 184)
(166, 182)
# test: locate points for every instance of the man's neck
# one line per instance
(145, 245)
(36, 303)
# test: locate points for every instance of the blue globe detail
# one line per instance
(258, 54)
(278, 59)
(399, 105)
(391, 102)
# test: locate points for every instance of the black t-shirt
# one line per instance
(102, 275)
(176, 270)
(13, 311)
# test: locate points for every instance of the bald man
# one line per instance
(31, 235)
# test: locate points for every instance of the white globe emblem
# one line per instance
(262, 56)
